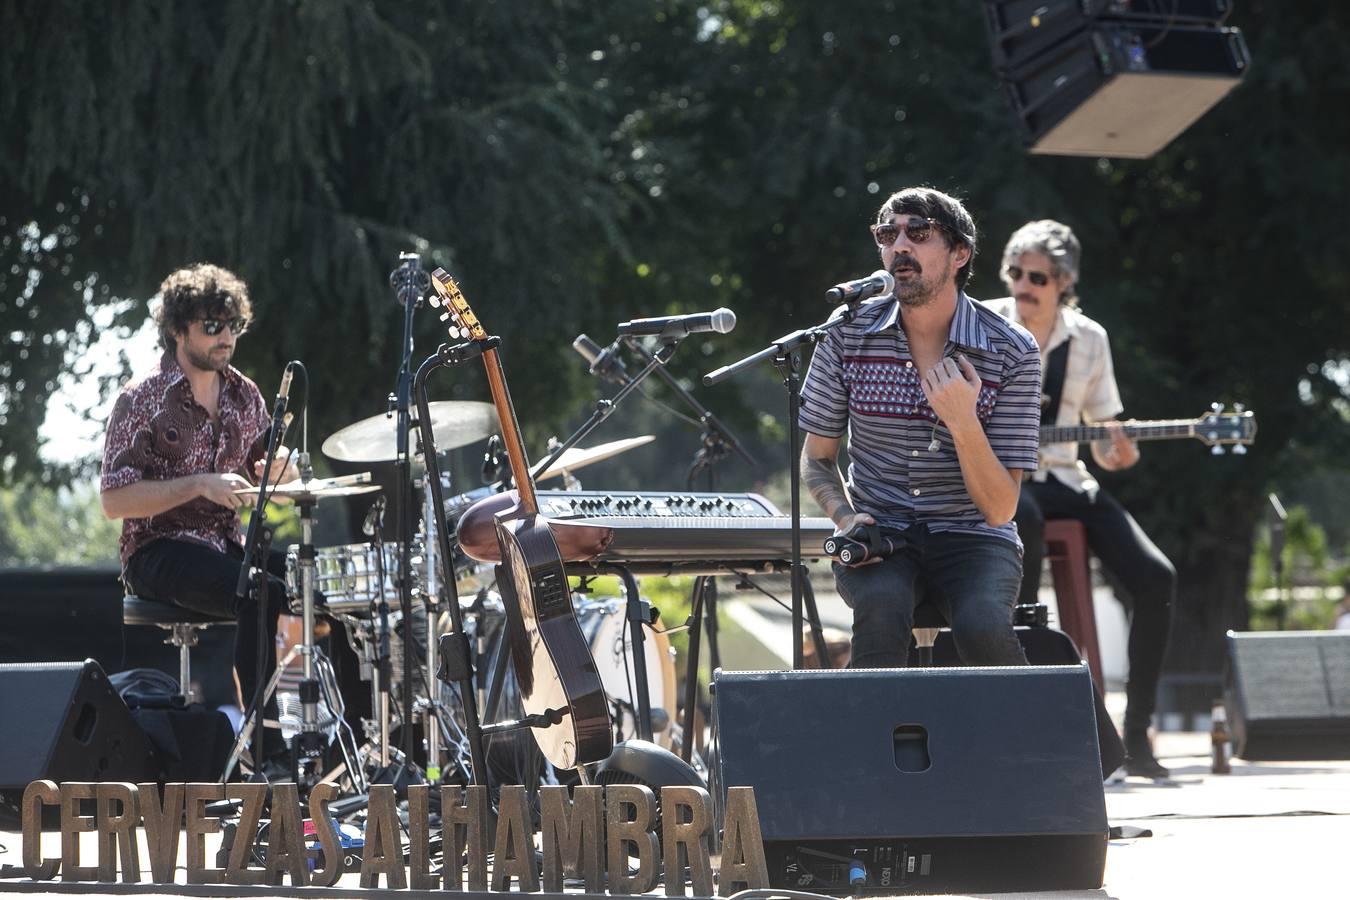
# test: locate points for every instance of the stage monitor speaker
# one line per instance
(1288, 694)
(1020, 29)
(1123, 91)
(64, 721)
(928, 780)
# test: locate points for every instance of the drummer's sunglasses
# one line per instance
(213, 327)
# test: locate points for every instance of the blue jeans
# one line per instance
(973, 579)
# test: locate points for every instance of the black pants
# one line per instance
(1132, 560)
(197, 577)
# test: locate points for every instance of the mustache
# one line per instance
(1025, 298)
(905, 260)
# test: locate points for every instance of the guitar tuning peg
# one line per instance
(1240, 449)
(434, 300)
(1216, 407)
(1216, 450)
(1239, 408)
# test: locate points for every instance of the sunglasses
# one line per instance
(1014, 274)
(213, 327)
(917, 230)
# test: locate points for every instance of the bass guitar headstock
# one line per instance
(1222, 427)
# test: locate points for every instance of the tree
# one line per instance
(575, 164)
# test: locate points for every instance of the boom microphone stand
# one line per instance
(785, 355)
(258, 533)
(410, 282)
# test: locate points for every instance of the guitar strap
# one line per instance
(1053, 383)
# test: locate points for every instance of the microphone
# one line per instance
(604, 363)
(879, 282)
(374, 518)
(284, 392)
(676, 327)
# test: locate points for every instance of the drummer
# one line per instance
(182, 438)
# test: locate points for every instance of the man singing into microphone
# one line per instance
(179, 443)
(939, 397)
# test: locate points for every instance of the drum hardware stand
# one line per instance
(784, 353)
(432, 709)
(308, 744)
(380, 666)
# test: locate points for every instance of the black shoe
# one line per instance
(1143, 764)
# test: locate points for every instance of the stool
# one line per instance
(929, 622)
(182, 625)
(1066, 548)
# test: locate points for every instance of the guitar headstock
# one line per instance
(461, 320)
(1221, 427)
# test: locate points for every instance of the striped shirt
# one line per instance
(1089, 393)
(903, 468)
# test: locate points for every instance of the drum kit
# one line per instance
(358, 586)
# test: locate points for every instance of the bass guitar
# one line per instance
(558, 680)
(1217, 429)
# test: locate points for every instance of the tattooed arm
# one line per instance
(820, 474)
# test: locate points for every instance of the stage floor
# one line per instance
(1277, 830)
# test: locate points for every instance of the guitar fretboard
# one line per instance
(1140, 431)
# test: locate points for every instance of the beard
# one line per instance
(209, 361)
(919, 290)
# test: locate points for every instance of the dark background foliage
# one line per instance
(576, 164)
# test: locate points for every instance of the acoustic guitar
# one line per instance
(556, 674)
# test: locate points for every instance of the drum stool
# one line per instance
(182, 625)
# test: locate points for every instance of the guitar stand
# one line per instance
(455, 665)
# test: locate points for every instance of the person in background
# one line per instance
(1040, 269)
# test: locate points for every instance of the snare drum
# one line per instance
(610, 641)
(348, 575)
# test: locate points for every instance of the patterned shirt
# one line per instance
(157, 431)
(1089, 394)
(903, 467)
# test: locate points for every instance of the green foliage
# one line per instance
(50, 526)
(575, 164)
(1305, 557)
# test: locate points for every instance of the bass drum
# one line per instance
(610, 640)
(470, 574)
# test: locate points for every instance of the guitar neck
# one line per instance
(515, 447)
(1157, 430)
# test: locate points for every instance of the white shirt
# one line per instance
(1089, 394)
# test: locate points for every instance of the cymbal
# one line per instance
(318, 488)
(576, 457)
(454, 423)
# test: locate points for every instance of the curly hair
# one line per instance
(1057, 243)
(957, 225)
(195, 292)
